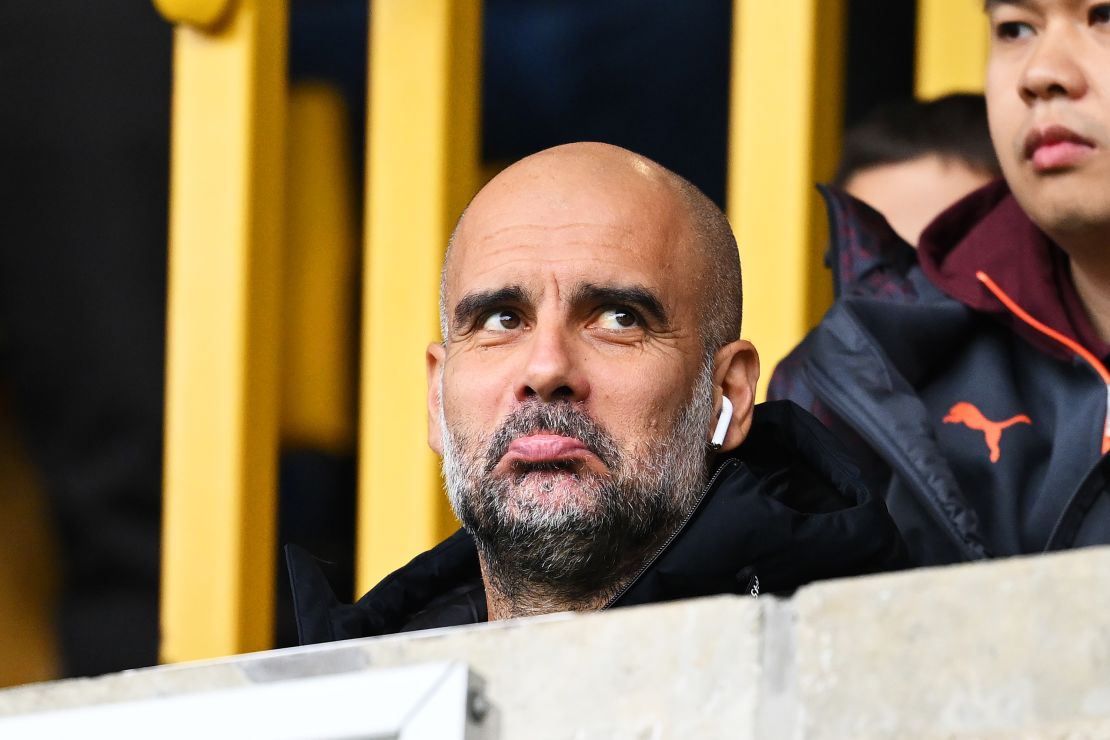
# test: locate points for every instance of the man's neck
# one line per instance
(1091, 274)
(530, 603)
(526, 599)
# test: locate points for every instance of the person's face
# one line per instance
(1048, 101)
(572, 354)
(911, 194)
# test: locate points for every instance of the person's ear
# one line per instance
(735, 373)
(434, 359)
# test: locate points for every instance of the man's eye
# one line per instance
(1013, 30)
(616, 319)
(1100, 15)
(501, 321)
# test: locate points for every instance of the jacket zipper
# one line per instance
(1071, 344)
(673, 536)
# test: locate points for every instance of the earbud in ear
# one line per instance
(722, 424)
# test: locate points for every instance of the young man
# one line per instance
(973, 382)
(593, 405)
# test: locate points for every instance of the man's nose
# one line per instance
(552, 370)
(1053, 71)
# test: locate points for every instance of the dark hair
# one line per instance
(952, 127)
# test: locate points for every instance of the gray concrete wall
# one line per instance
(1017, 648)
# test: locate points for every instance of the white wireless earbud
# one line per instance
(722, 424)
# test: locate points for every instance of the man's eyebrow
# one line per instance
(477, 303)
(635, 296)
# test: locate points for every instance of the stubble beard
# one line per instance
(548, 550)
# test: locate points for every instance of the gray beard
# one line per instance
(579, 549)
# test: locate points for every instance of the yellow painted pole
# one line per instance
(422, 168)
(953, 38)
(321, 250)
(785, 130)
(221, 384)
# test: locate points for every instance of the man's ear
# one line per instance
(434, 359)
(735, 373)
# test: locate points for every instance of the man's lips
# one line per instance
(546, 448)
(1055, 147)
(551, 449)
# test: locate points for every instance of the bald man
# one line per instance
(593, 405)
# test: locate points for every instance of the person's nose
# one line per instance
(1053, 69)
(552, 370)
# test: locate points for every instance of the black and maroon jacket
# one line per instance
(966, 378)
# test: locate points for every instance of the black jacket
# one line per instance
(785, 509)
(984, 433)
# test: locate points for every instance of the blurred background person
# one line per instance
(911, 159)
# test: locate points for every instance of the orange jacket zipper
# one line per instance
(1068, 342)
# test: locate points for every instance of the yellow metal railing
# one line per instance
(320, 278)
(952, 43)
(785, 136)
(221, 394)
(226, 236)
(422, 167)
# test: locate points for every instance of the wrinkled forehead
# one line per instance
(567, 233)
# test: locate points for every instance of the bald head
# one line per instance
(574, 183)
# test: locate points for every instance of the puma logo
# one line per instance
(965, 413)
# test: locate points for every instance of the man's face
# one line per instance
(1048, 99)
(571, 398)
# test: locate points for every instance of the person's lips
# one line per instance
(1055, 147)
(550, 449)
(546, 448)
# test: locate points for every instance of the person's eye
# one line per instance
(1012, 30)
(617, 319)
(501, 320)
(1100, 15)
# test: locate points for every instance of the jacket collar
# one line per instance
(988, 232)
(865, 255)
(789, 508)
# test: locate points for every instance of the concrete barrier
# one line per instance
(1015, 648)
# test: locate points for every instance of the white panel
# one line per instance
(421, 702)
